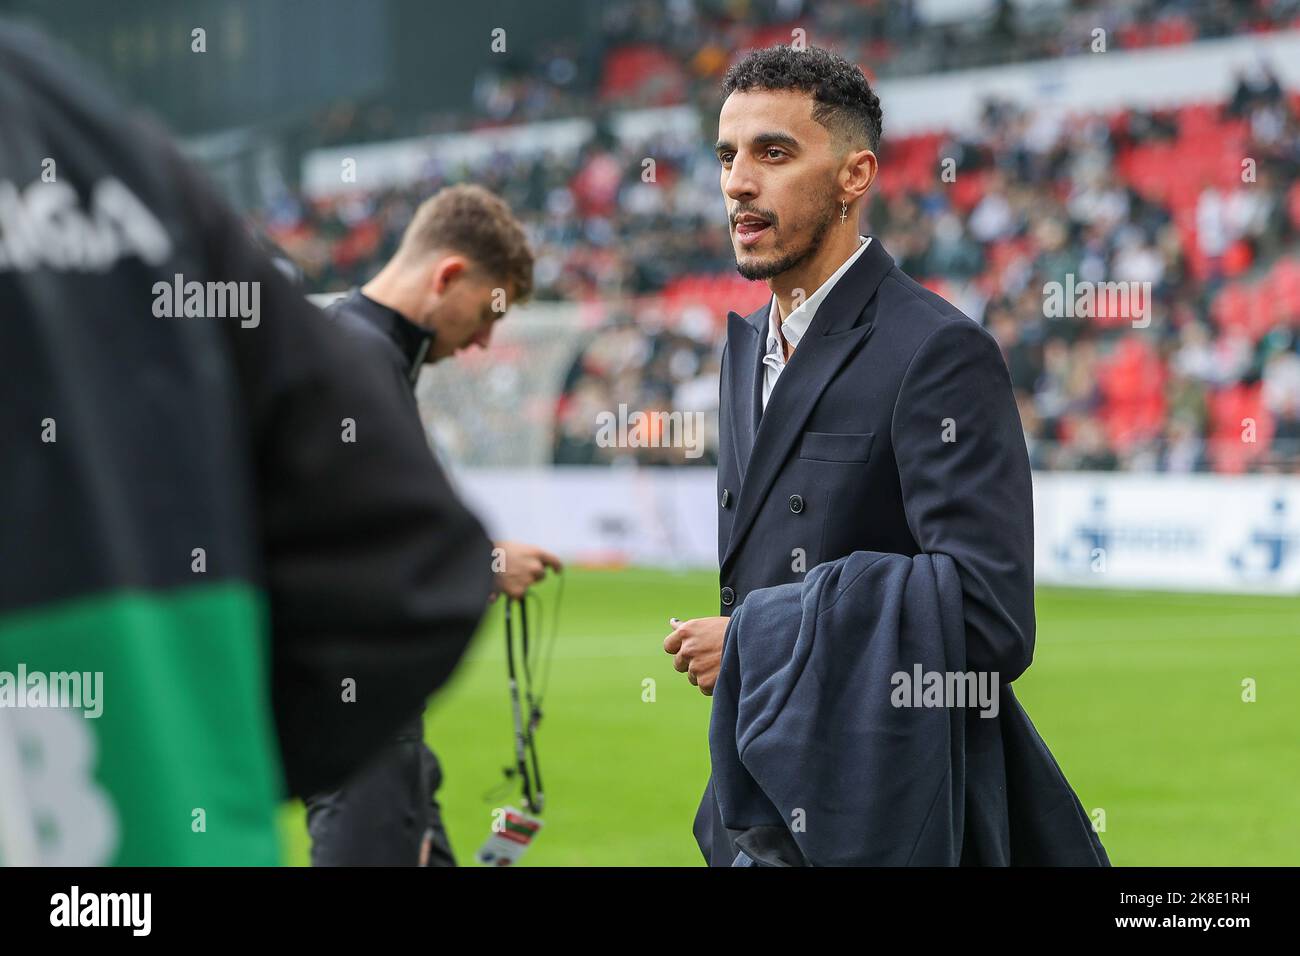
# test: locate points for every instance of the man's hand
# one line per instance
(696, 646)
(520, 566)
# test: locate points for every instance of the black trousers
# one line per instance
(387, 814)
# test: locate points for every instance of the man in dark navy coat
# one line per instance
(859, 411)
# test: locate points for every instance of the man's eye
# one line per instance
(772, 149)
(726, 158)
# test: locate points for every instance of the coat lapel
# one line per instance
(838, 329)
(746, 338)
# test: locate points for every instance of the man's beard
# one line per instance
(773, 268)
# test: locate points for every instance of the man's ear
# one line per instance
(446, 271)
(860, 170)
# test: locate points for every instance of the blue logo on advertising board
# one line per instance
(1269, 547)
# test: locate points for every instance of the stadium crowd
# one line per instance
(642, 53)
(1201, 202)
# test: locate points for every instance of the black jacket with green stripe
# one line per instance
(242, 452)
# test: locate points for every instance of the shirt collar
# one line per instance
(797, 322)
(405, 334)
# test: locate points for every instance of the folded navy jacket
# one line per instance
(847, 731)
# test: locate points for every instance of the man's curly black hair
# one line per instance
(843, 100)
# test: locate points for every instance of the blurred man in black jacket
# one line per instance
(463, 261)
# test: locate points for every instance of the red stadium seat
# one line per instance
(1284, 291)
(1132, 383)
(1241, 428)
(968, 190)
(1237, 259)
(640, 71)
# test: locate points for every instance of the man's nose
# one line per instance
(739, 183)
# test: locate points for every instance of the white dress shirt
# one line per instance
(797, 322)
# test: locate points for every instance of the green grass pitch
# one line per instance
(1138, 694)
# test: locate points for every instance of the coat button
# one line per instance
(796, 503)
(728, 596)
(726, 496)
